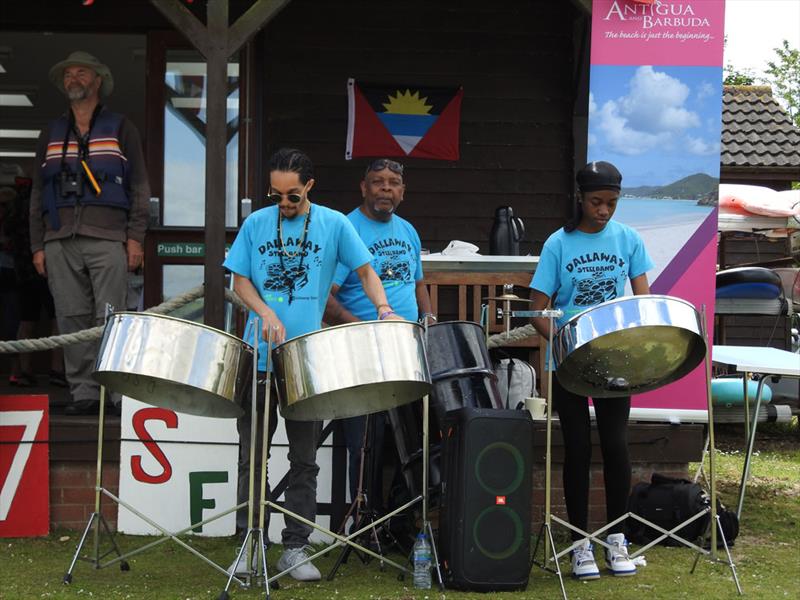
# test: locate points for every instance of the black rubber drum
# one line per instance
(462, 376)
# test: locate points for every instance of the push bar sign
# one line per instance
(24, 474)
(177, 470)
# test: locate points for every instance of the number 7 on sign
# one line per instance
(29, 419)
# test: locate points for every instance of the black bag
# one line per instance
(667, 502)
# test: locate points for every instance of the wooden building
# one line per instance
(523, 66)
(759, 147)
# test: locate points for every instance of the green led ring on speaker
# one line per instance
(517, 532)
(517, 459)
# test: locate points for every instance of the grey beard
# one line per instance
(380, 212)
(77, 92)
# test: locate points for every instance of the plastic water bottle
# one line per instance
(422, 563)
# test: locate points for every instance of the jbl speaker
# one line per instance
(485, 519)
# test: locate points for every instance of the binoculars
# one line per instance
(71, 183)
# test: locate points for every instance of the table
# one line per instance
(764, 362)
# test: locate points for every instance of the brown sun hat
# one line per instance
(79, 58)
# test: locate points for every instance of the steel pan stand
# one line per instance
(96, 520)
(349, 540)
(341, 540)
(253, 546)
(546, 528)
(715, 525)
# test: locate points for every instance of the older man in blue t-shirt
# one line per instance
(395, 248)
(283, 261)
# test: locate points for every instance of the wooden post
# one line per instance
(216, 41)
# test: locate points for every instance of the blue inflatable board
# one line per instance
(761, 291)
(730, 392)
(748, 275)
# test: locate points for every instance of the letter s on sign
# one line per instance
(139, 419)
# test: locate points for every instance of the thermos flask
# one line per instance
(507, 232)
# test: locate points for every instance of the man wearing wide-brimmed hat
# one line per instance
(88, 212)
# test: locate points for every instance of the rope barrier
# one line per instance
(173, 304)
(95, 333)
(515, 335)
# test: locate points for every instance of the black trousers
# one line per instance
(301, 493)
(612, 426)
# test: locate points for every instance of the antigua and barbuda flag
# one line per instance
(402, 120)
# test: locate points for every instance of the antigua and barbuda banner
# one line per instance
(655, 112)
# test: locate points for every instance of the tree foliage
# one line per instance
(784, 75)
(734, 76)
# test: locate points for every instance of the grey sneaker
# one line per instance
(239, 564)
(305, 572)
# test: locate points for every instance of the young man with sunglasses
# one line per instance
(395, 247)
(283, 262)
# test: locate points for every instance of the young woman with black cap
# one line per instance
(585, 263)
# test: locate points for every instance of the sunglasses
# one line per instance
(384, 163)
(293, 198)
(276, 198)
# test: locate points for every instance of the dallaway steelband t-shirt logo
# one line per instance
(596, 276)
(391, 260)
(287, 277)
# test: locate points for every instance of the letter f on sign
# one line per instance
(196, 501)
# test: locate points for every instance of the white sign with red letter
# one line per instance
(177, 470)
(24, 475)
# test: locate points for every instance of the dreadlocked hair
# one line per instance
(291, 160)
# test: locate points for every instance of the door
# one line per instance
(175, 148)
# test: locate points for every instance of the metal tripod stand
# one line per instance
(97, 520)
(546, 528)
(254, 548)
(361, 508)
(260, 569)
(715, 525)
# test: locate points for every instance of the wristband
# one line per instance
(383, 315)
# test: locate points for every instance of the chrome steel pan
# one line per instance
(176, 364)
(628, 346)
(351, 370)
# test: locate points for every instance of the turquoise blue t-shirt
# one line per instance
(580, 270)
(298, 289)
(395, 249)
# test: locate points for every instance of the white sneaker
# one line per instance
(305, 572)
(583, 564)
(617, 559)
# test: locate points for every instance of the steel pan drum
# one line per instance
(176, 364)
(629, 346)
(351, 370)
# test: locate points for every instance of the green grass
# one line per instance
(767, 557)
